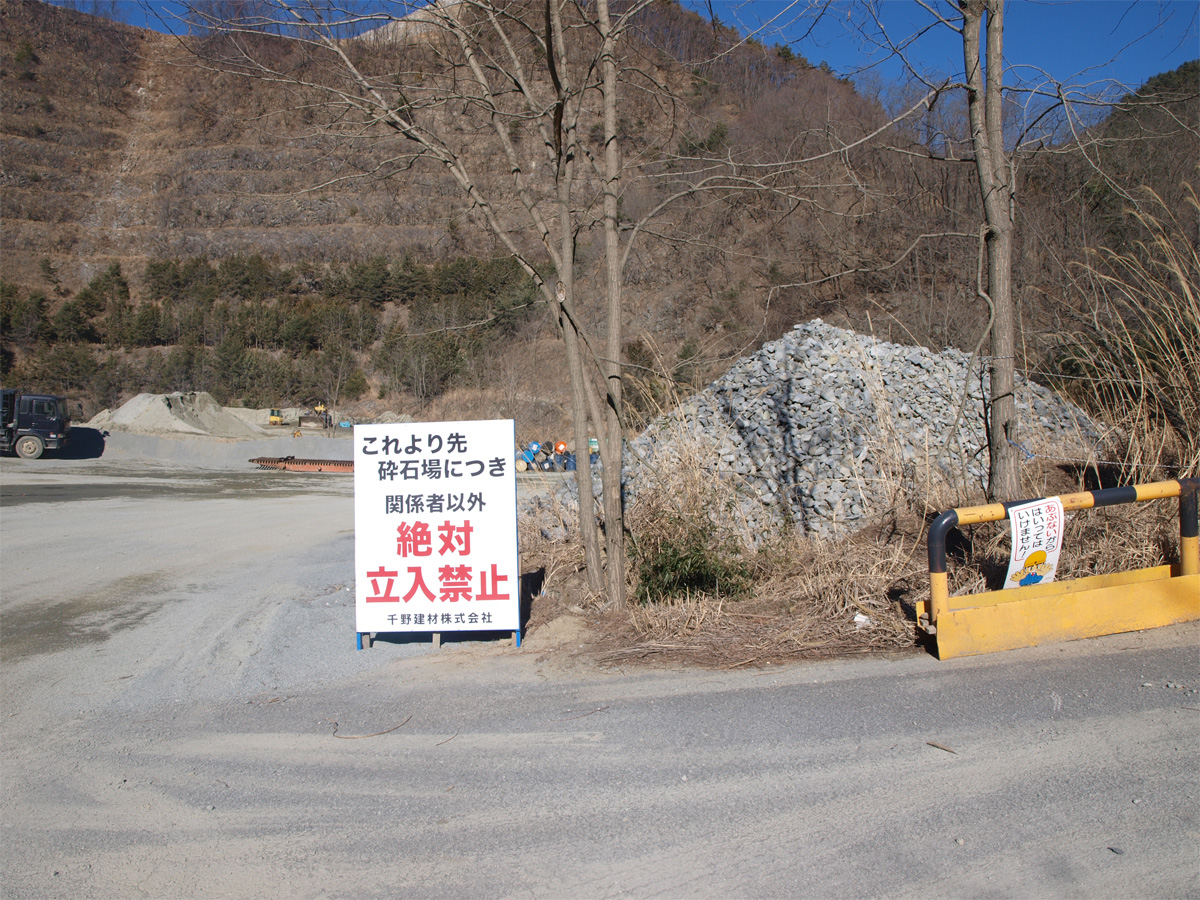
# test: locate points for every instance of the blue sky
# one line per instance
(1079, 42)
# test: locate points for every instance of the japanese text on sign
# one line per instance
(1037, 530)
(435, 527)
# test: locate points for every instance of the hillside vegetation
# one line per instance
(170, 223)
(169, 226)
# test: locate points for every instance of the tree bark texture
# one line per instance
(984, 65)
(568, 156)
(612, 451)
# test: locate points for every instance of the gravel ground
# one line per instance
(185, 715)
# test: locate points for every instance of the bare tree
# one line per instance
(1013, 123)
(983, 60)
(462, 85)
(1008, 122)
(979, 25)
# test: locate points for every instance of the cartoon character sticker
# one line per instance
(1037, 529)
(1035, 569)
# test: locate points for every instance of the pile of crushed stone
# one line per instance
(820, 426)
(181, 413)
(817, 430)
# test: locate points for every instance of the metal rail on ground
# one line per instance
(1070, 609)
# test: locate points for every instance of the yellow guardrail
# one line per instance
(1070, 609)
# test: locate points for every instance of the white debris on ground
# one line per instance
(197, 413)
(192, 429)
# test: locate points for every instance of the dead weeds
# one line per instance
(811, 599)
(815, 598)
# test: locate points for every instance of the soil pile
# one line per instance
(178, 413)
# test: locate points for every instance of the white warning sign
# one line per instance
(435, 527)
(1037, 532)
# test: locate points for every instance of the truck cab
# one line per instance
(31, 424)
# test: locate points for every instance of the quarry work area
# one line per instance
(181, 686)
(769, 651)
(184, 715)
(816, 431)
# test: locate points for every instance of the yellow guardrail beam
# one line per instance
(1065, 610)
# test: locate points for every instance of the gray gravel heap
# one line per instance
(818, 428)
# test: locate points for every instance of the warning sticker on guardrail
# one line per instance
(1037, 532)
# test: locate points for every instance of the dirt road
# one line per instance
(184, 715)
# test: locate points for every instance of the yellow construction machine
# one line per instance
(319, 418)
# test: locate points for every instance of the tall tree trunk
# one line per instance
(566, 142)
(1004, 474)
(610, 368)
(985, 76)
(588, 533)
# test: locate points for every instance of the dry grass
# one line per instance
(806, 597)
(815, 598)
(807, 592)
(685, 490)
(1095, 542)
(550, 545)
(1135, 359)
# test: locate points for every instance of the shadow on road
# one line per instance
(86, 443)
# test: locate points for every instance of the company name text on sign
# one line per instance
(435, 527)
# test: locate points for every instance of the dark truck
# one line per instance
(31, 424)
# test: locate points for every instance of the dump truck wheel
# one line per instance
(30, 447)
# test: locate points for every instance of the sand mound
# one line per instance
(178, 413)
